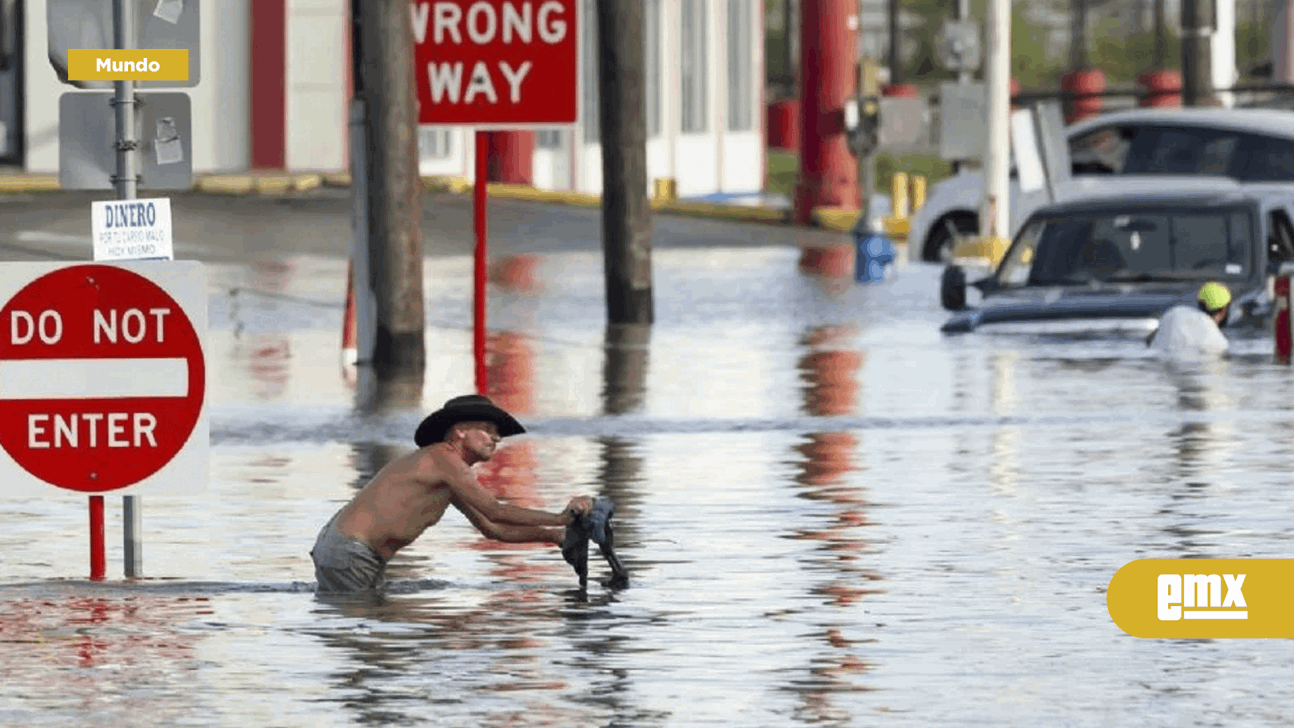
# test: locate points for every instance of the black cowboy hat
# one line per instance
(467, 408)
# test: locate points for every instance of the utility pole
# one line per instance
(789, 50)
(896, 44)
(995, 217)
(1161, 54)
(383, 45)
(626, 217)
(1078, 35)
(1197, 62)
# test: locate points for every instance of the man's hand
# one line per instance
(578, 506)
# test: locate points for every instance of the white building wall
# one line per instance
(715, 160)
(220, 101)
(316, 84)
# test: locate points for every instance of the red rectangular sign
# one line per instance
(497, 62)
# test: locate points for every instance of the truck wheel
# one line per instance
(939, 244)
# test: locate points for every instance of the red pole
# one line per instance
(479, 200)
(98, 562)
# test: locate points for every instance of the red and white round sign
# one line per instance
(102, 378)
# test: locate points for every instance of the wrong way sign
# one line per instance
(497, 62)
(103, 378)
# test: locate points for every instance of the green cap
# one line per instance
(1214, 296)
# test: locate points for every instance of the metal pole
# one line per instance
(123, 36)
(963, 13)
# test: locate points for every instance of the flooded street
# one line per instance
(831, 513)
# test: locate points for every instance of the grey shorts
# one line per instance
(345, 564)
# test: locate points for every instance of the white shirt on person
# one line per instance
(1185, 331)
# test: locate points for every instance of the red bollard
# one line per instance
(1281, 320)
(1088, 84)
(1163, 88)
(784, 125)
(1015, 91)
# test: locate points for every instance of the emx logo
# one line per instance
(1203, 598)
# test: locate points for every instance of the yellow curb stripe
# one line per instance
(29, 183)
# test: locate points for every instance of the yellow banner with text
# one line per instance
(107, 64)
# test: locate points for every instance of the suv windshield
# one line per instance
(1143, 246)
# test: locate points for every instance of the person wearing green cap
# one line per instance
(412, 492)
(1185, 328)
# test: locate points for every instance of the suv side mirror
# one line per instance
(952, 288)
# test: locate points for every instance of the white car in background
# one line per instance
(1249, 145)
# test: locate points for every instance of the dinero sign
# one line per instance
(497, 62)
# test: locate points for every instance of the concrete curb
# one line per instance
(837, 220)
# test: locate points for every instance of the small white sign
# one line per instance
(1024, 143)
(132, 229)
(169, 10)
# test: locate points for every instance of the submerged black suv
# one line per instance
(1131, 252)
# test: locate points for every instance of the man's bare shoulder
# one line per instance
(439, 466)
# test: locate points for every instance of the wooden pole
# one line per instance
(385, 81)
(626, 217)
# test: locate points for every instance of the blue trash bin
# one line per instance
(873, 252)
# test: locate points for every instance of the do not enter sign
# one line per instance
(102, 375)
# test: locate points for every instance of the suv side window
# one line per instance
(1270, 160)
(1103, 150)
(1183, 150)
(1280, 240)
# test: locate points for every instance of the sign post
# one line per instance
(173, 29)
(490, 64)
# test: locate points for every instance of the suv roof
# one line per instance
(1153, 186)
(1141, 192)
(1271, 122)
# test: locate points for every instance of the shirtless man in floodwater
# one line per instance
(412, 492)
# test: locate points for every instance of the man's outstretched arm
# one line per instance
(510, 533)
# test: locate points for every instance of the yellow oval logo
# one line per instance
(1203, 598)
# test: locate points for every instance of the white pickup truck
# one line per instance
(1248, 145)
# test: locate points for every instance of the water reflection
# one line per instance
(624, 389)
(1200, 450)
(1003, 465)
(114, 657)
(830, 370)
(268, 357)
(511, 474)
